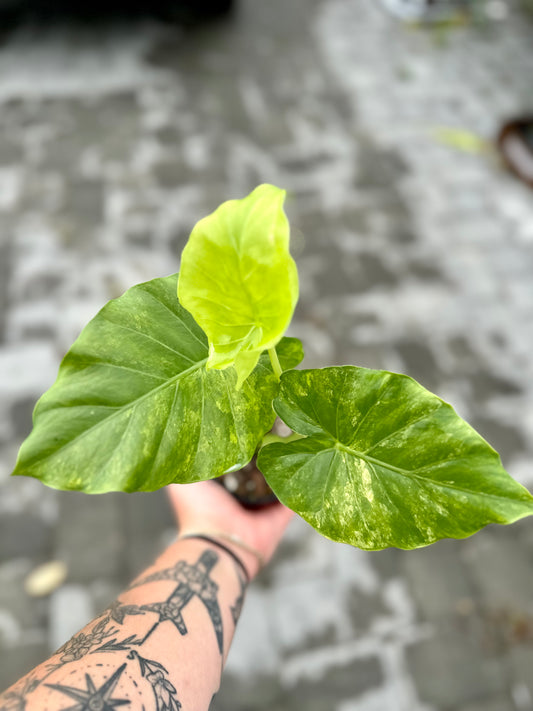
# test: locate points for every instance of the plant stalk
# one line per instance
(271, 438)
(276, 366)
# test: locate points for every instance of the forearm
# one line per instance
(160, 646)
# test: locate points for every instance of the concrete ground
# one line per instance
(414, 255)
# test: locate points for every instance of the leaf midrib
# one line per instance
(408, 473)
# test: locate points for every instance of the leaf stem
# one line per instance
(276, 366)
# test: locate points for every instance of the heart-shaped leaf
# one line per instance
(238, 279)
(384, 462)
(134, 408)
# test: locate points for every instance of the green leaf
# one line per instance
(134, 408)
(238, 279)
(384, 462)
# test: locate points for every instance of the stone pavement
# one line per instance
(414, 256)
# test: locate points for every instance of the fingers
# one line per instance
(208, 506)
(186, 496)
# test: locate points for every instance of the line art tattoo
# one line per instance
(193, 580)
(84, 642)
(93, 698)
(15, 700)
(117, 611)
(155, 673)
(236, 609)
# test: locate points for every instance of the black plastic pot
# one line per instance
(515, 142)
(248, 486)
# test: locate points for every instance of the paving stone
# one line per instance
(506, 439)
(291, 549)
(321, 232)
(378, 167)
(10, 152)
(23, 613)
(147, 517)
(388, 562)
(90, 537)
(519, 660)
(451, 669)
(314, 694)
(419, 362)
(142, 239)
(500, 569)
(256, 651)
(353, 219)
(171, 174)
(42, 285)
(21, 417)
(109, 127)
(425, 270)
(500, 703)
(170, 135)
(357, 274)
(310, 613)
(70, 609)
(363, 609)
(342, 681)
(63, 153)
(438, 580)
(241, 694)
(25, 536)
(486, 385)
(85, 201)
(5, 253)
(463, 351)
(365, 356)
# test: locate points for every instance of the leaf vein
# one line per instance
(119, 409)
(404, 427)
(159, 444)
(147, 336)
(412, 474)
(382, 390)
(177, 317)
(107, 364)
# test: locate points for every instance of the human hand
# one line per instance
(207, 507)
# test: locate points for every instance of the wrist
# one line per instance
(245, 557)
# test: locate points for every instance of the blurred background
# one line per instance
(119, 129)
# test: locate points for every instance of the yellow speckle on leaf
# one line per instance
(366, 481)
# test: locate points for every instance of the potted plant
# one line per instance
(181, 379)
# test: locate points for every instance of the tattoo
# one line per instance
(15, 700)
(113, 646)
(117, 611)
(84, 642)
(155, 673)
(239, 602)
(92, 698)
(98, 639)
(192, 580)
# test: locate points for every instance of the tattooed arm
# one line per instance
(162, 645)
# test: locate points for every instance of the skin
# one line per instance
(162, 645)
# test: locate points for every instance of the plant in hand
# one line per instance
(181, 378)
